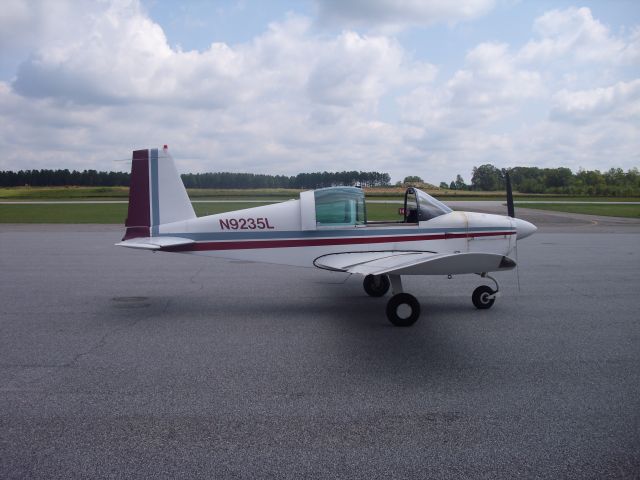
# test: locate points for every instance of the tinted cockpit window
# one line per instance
(340, 206)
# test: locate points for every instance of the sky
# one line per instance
(408, 87)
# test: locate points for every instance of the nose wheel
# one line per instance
(484, 296)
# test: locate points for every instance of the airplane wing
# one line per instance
(414, 263)
(154, 243)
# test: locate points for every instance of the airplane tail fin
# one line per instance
(156, 194)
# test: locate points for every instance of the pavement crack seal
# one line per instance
(121, 302)
(101, 343)
(193, 281)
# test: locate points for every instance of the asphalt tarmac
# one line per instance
(125, 364)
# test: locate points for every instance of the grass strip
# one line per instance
(268, 194)
(116, 213)
(607, 210)
(73, 213)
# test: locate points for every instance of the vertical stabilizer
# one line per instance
(156, 194)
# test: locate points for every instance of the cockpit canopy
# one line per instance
(340, 206)
(345, 206)
(420, 206)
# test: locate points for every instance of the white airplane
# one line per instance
(327, 229)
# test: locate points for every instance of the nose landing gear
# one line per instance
(484, 296)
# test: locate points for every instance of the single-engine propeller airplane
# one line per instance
(328, 229)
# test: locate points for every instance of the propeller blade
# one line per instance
(517, 265)
(510, 209)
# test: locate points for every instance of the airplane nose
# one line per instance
(523, 228)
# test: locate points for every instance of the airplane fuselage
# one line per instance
(273, 234)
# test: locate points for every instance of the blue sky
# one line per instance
(429, 88)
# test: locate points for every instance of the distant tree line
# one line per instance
(301, 180)
(93, 178)
(613, 182)
(58, 178)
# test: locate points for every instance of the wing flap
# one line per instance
(154, 243)
(414, 263)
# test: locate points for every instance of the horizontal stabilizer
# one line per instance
(154, 243)
(414, 263)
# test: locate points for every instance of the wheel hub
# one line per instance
(403, 311)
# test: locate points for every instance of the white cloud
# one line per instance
(356, 70)
(398, 14)
(287, 101)
(121, 56)
(491, 87)
(493, 81)
(297, 99)
(15, 17)
(619, 102)
(573, 34)
(125, 58)
(558, 100)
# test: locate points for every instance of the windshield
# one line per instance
(430, 207)
(420, 206)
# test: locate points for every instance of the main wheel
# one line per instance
(376, 285)
(483, 297)
(403, 310)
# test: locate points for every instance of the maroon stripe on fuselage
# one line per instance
(139, 216)
(317, 242)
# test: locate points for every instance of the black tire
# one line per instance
(395, 308)
(376, 285)
(482, 297)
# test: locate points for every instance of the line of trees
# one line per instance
(59, 178)
(329, 179)
(93, 178)
(301, 180)
(613, 182)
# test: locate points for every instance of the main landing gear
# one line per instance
(403, 309)
(376, 285)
